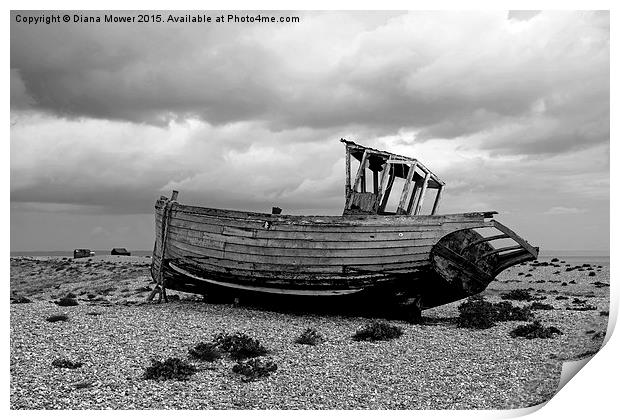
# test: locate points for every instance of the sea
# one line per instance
(577, 257)
(573, 257)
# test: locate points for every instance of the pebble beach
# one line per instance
(436, 364)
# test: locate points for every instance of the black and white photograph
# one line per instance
(307, 210)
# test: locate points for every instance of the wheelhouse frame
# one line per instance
(385, 167)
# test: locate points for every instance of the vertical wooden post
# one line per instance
(165, 223)
(375, 182)
(414, 195)
(388, 190)
(384, 178)
(360, 170)
(363, 181)
(422, 193)
(403, 196)
(437, 198)
(347, 183)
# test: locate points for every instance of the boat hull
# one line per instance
(432, 259)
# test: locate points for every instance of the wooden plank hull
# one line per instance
(201, 249)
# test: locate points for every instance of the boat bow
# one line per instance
(466, 261)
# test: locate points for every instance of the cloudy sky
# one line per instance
(511, 110)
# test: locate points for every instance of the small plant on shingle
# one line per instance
(604, 313)
(582, 308)
(254, 369)
(239, 346)
(591, 274)
(57, 318)
(310, 337)
(171, 368)
(377, 331)
(476, 313)
(535, 330)
(68, 300)
(19, 299)
(541, 306)
(83, 384)
(207, 352)
(66, 363)
(518, 294)
(506, 311)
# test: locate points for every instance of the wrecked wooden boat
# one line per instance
(390, 243)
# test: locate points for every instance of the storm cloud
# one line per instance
(105, 117)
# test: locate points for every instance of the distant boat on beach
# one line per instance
(83, 253)
(120, 251)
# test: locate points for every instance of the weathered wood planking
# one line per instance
(268, 288)
(292, 280)
(423, 238)
(273, 225)
(307, 254)
(371, 220)
(290, 248)
(304, 236)
(421, 253)
(225, 265)
(318, 279)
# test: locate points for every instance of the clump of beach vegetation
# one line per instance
(535, 330)
(377, 331)
(172, 368)
(254, 368)
(16, 298)
(66, 364)
(541, 306)
(239, 345)
(477, 313)
(206, 352)
(518, 294)
(506, 311)
(310, 337)
(68, 300)
(57, 318)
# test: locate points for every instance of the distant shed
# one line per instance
(81, 253)
(120, 251)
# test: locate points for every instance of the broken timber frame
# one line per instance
(391, 166)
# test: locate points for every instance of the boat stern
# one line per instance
(162, 210)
